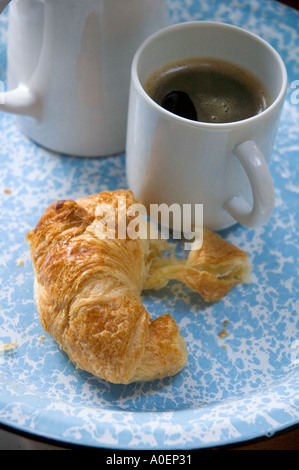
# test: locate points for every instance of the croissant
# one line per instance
(88, 287)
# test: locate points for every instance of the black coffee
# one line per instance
(207, 90)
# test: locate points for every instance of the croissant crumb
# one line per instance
(88, 288)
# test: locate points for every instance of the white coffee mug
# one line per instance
(223, 166)
(69, 69)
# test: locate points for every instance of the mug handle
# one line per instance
(20, 100)
(256, 168)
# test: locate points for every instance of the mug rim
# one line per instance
(202, 124)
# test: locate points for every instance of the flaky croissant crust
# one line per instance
(88, 289)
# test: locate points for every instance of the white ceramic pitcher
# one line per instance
(69, 69)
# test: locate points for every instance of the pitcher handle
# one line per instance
(21, 100)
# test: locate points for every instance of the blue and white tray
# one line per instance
(235, 387)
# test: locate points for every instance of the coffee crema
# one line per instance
(208, 90)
